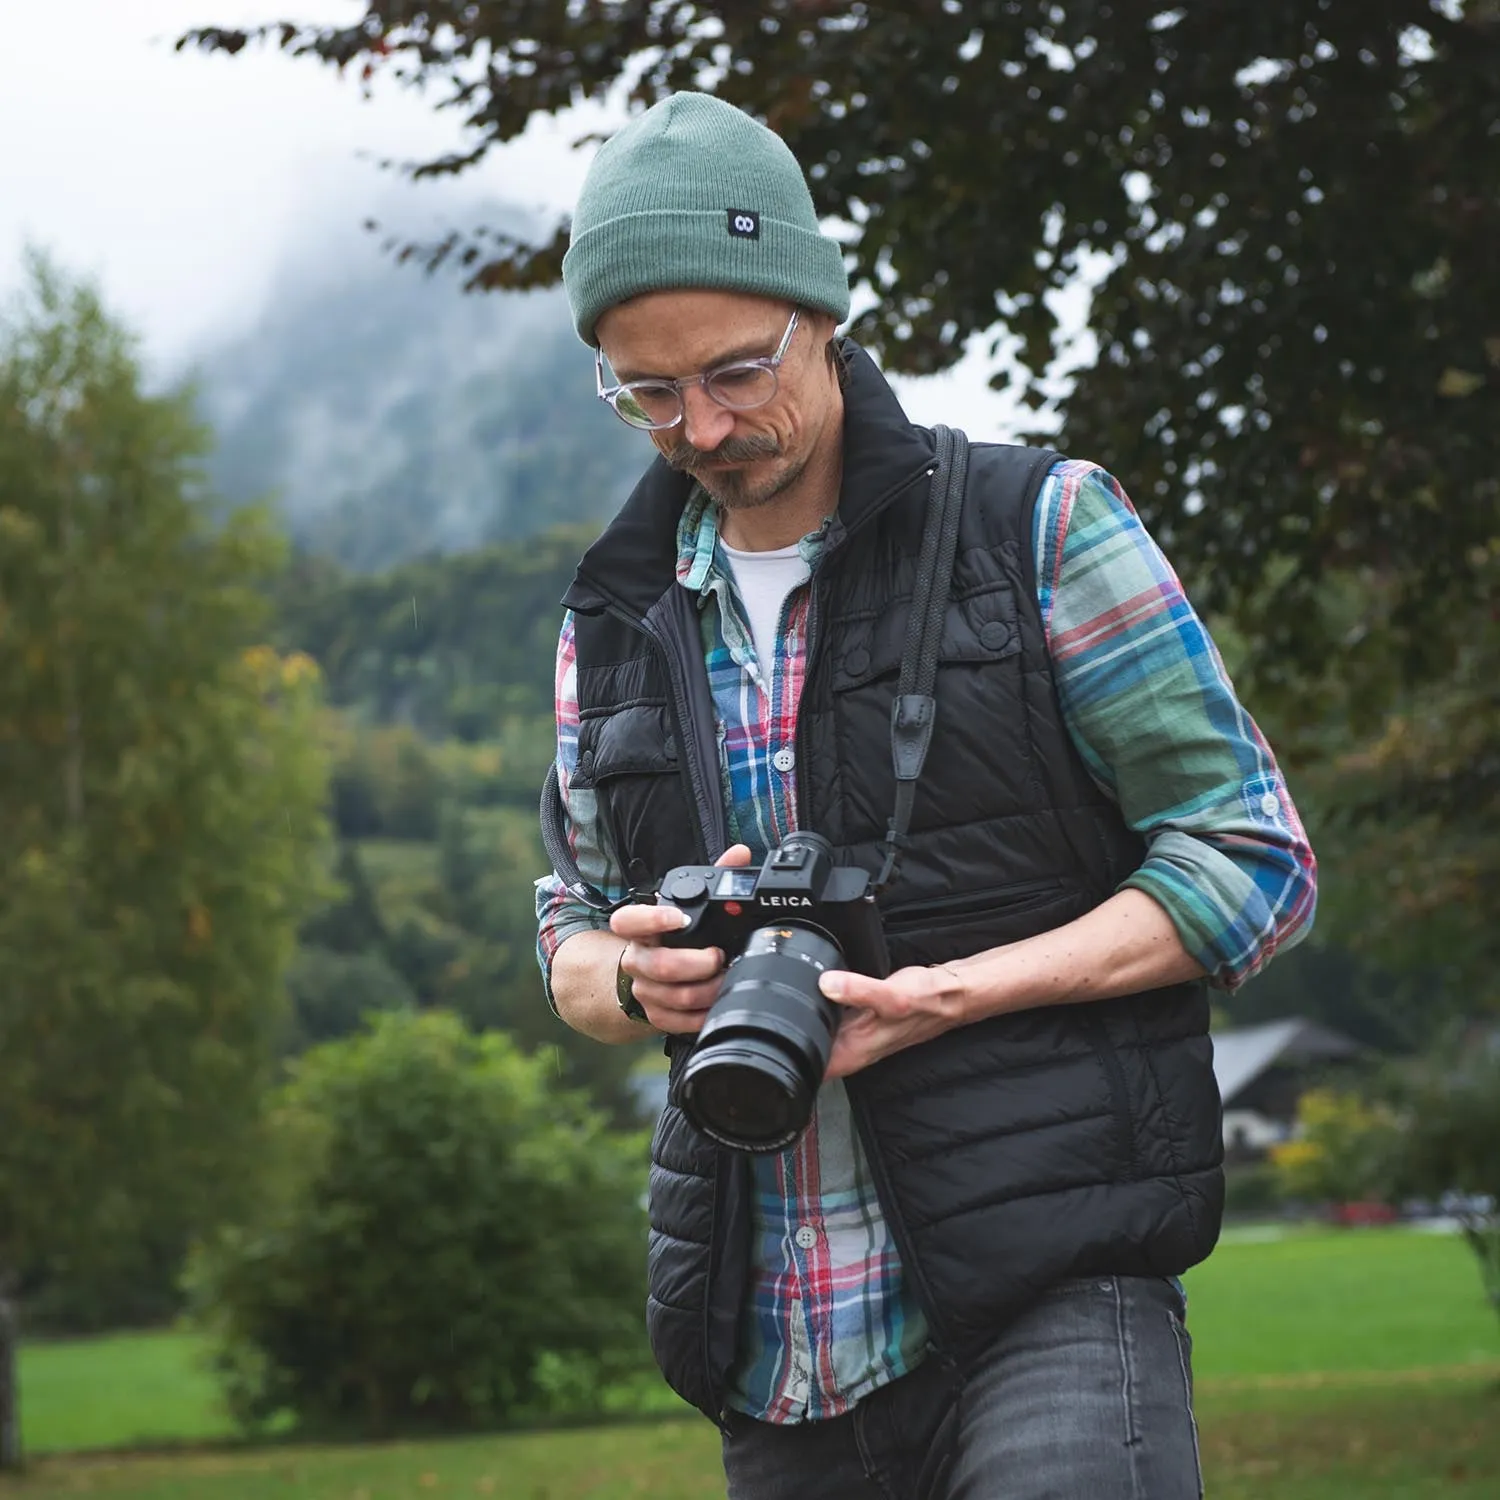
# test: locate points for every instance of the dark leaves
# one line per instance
(1298, 199)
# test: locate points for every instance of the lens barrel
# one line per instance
(759, 1060)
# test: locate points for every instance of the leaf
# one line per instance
(1459, 383)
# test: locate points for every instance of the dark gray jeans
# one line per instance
(1086, 1396)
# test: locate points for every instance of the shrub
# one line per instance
(1344, 1149)
(442, 1230)
(1253, 1189)
(1450, 1147)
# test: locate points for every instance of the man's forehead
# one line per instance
(679, 332)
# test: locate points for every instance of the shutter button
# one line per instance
(784, 759)
(806, 1236)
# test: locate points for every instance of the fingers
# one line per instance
(671, 966)
(676, 1008)
(879, 995)
(647, 921)
(675, 986)
(735, 854)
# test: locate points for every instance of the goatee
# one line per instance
(734, 491)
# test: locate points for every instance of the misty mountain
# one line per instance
(391, 415)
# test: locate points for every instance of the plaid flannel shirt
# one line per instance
(1144, 694)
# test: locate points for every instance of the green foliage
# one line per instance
(1343, 1151)
(1412, 820)
(446, 1230)
(1387, 1010)
(1279, 375)
(1450, 1148)
(1252, 1189)
(455, 647)
(161, 785)
(1289, 215)
(387, 785)
(331, 993)
(1425, 1129)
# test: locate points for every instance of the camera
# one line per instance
(754, 1071)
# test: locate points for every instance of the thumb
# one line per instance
(735, 854)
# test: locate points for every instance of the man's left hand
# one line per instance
(885, 1015)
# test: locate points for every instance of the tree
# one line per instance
(1424, 1128)
(1344, 1150)
(1450, 1102)
(159, 806)
(446, 1235)
(1289, 210)
(1297, 203)
(1415, 824)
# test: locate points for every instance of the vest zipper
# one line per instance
(688, 740)
(800, 737)
(687, 730)
(715, 1217)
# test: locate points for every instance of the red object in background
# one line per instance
(1357, 1215)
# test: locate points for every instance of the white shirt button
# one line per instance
(806, 1236)
(1269, 805)
(784, 759)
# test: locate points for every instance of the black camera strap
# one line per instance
(555, 842)
(915, 709)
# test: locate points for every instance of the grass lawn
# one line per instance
(1398, 1442)
(1368, 1300)
(123, 1390)
(1352, 1364)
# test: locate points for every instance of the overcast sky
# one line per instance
(182, 182)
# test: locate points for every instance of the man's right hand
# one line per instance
(675, 986)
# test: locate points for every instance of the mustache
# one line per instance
(735, 450)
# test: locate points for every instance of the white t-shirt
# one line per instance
(763, 580)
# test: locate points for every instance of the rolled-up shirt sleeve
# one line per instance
(559, 915)
(1153, 713)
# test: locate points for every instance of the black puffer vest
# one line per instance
(1010, 1154)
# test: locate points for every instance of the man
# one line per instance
(961, 1279)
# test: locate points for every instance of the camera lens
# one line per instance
(754, 1073)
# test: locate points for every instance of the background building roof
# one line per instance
(1241, 1056)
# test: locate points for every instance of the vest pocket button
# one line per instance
(994, 634)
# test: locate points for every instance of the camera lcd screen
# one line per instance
(736, 885)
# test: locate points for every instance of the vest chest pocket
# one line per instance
(628, 758)
(979, 627)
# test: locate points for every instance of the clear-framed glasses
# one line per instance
(653, 404)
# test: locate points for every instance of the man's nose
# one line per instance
(705, 424)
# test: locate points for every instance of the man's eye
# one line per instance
(737, 377)
(653, 395)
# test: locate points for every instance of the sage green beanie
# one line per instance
(695, 193)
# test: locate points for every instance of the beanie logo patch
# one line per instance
(744, 224)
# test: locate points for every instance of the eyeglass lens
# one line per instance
(650, 403)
